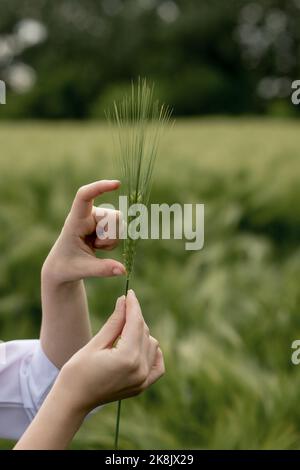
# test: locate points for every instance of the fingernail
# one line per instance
(120, 300)
(116, 181)
(100, 212)
(118, 271)
(131, 291)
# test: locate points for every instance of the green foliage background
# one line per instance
(205, 56)
(225, 316)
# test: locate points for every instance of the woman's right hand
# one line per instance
(103, 372)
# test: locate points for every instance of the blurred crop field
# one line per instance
(225, 316)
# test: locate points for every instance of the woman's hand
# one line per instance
(66, 326)
(101, 372)
(73, 257)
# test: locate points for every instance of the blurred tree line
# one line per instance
(71, 58)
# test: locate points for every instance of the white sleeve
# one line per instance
(26, 376)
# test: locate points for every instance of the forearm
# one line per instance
(65, 323)
(54, 426)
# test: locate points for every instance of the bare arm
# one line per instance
(65, 324)
(54, 426)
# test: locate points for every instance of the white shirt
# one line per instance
(26, 376)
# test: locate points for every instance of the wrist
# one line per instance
(52, 277)
(64, 395)
(54, 426)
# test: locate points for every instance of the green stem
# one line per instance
(117, 431)
(118, 425)
(127, 286)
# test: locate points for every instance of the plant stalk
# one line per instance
(117, 429)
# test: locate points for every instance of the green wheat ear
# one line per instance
(139, 120)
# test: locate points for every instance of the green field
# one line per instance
(225, 316)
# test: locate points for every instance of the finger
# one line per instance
(158, 369)
(107, 225)
(96, 267)
(112, 329)
(146, 342)
(83, 202)
(105, 213)
(133, 332)
(106, 244)
(152, 351)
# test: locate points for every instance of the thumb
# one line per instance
(97, 267)
(113, 327)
